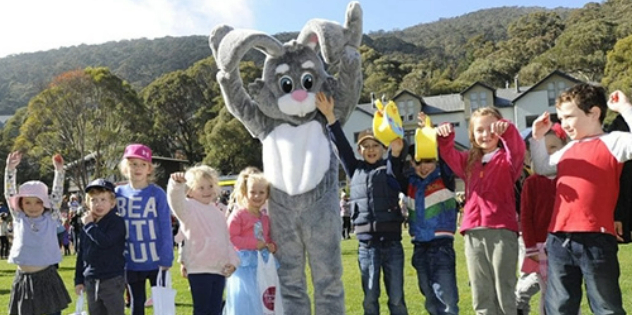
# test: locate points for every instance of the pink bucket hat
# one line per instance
(32, 188)
(138, 151)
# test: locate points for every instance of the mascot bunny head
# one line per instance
(293, 72)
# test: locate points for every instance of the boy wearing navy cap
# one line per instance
(100, 266)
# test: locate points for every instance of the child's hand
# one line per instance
(58, 162)
(79, 289)
(421, 120)
(326, 106)
(445, 130)
(228, 270)
(618, 101)
(541, 126)
(178, 177)
(183, 271)
(397, 146)
(271, 248)
(499, 127)
(618, 230)
(13, 160)
(261, 245)
(87, 218)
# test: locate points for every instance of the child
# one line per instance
(582, 243)
(148, 221)
(209, 256)
(432, 225)
(537, 201)
(374, 191)
(37, 287)
(250, 233)
(490, 225)
(100, 265)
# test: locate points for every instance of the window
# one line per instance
(409, 136)
(553, 90)
(483, 98)
(474, 105)
(410, 111)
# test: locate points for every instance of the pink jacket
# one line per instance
(207, 247)
(489, 190)
(241, 225)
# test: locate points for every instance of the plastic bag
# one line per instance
(79, 306)
(163, 295)
(268, 282)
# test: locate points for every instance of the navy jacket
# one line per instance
(374, 191)
(102, 245)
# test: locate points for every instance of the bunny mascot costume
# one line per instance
(280, 110)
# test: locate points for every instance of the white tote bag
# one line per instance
(79, 306)
(163, 295)
(268, 282)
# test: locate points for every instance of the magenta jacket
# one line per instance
(489, 189)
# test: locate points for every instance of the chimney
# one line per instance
(517, 83)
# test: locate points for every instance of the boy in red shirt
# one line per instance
(582, 241)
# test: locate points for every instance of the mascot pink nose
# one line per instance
(299, 95)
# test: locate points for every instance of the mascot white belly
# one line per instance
(295, 159)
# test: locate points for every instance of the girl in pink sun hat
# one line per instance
(37, 287)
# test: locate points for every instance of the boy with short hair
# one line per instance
(432, 225)
(582, 239)
(100, 265)
(377, 218)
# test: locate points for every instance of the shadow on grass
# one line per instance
(2, 291)
(7, 273)
(177, 304)
(64, 268)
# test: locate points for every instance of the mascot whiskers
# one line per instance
(280, 110)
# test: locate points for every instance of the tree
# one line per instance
(173, 102)
(229, 146)
(87, 113)
(618, 73)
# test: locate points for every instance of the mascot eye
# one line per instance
(286, 84)
(307, 81)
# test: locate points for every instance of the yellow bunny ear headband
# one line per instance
(387, 123)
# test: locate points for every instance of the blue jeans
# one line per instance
(373, 257)
(435, 262)
(592, 256)
(207, 290)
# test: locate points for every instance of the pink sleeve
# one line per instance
(515, 148)
(455, 159)
(527, 221)
(240, 235)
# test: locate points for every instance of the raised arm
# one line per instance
(453, 158)
(345, 153)
(229, 46)
(10, 188)
(57, 192)
(176, 192)
(514, 146)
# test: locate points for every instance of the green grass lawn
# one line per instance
(351, 278)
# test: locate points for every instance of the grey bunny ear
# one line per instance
(229, 45)
(331, 36)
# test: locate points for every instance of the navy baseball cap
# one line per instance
(100, 183)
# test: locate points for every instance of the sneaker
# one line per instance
(149, 302)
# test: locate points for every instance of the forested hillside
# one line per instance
(139, 62)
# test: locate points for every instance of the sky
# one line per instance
(36, 25)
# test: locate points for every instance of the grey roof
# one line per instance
(367, 108)
(446, 103)
(505, 97)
